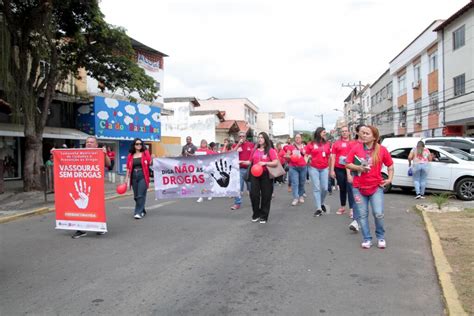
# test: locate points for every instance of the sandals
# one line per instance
(341, 211)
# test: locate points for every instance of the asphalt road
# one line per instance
(187, 258)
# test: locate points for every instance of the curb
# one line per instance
(451, 298)
(44, 210)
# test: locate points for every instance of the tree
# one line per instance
(65, 35)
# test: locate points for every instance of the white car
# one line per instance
(451, 170)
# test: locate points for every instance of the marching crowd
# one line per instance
(355, 164)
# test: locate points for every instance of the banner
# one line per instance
(199, 176)
(79, 189)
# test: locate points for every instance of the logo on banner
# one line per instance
(147, 63)
(224, 172)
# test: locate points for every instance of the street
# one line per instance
(188, 258)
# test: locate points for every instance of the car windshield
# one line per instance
(459, 153)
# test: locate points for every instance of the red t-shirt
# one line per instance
(281, 156)
(340, 150)
(244, 150)
(111, 155)
(319, 154)
(295, 151)
(207, 151)
(374, 176)
(259, 155)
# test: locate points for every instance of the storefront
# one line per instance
(117, 123)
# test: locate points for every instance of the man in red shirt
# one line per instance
(245, 149)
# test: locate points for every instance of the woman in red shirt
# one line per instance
(138, 175)
(295, 156)
(366, 159)
(201, 151)
(261, 188)
(319, 150)
(339, 152)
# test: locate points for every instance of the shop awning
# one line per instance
(17, 130)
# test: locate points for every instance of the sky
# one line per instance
(285, 56)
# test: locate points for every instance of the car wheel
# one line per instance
(388, 187)
(465, 189)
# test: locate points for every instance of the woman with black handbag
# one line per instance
(261, 187)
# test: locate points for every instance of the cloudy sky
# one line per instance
(289, 56)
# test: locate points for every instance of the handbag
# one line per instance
(275, 172)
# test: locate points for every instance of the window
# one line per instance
(458, 38)
(401, 153)
(383, 93)
(402, 84)
(44, 69)
(373, 100)
(433, 61)
(418, 111)
(403, 115)
(157, 86)
(434, 102)
(389, 90)
(459, 85)
(417, 73)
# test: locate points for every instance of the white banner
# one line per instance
(199, 176)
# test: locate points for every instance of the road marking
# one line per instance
(148, 208)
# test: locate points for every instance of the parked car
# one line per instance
(464, 143)
(450, 170)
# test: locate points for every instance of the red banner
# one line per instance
(79, 189)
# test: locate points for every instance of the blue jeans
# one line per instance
(139, 190)
(297, 179)
(238, 199)
(319, 179)
(420, 173)
(376, 203)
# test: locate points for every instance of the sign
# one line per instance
(116, 119)
(199, 176)
(79, 189)
(147, 63)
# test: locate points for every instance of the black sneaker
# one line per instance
(100, 233)
(79, 234)
(324, 208)
(318, 213)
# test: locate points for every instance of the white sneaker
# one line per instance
(422, 196)
(199, 200)
(209, 198)
(354, 226)
(295, 202)
(137, 216)
(382, 244)
(301, 199)
(366, 244)
(304, 195)
(417, 197)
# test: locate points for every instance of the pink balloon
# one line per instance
(122, 188)
(256, 170)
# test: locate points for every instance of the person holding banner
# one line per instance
(91, 142)
(244, 148)
(189, 149)
(138, 175)
(204, 150)
(261, 187)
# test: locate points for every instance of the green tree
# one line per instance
(65, 35)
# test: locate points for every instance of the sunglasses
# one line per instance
(138, 144)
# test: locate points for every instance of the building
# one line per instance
(283, 127)
(418, 85)
(357, 107)
(240, 115)
(265, 123)
(189, 120)
(115, 120)
(381, 104)
(457, 55)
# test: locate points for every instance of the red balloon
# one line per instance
(256, 170)
(122, 188)
(294, 158)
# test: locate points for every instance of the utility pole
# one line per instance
(360, 86)
(322, 119)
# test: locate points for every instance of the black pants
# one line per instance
(261, 190)
(345, 188)
(139, 190)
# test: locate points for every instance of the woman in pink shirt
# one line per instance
(295, 156)
(261, 188)
(319, 150)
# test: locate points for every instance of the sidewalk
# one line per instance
(16, 202)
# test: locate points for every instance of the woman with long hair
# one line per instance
(261, 187)
(319, 149)
(138, 175)
(420, 158)
(366, 158)
(339, 152)
(227, 146)
(295, 155)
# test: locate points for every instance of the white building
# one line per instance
(418, 84)
(283, 126)
(457, 52)
(381, 104)
(265, 123)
